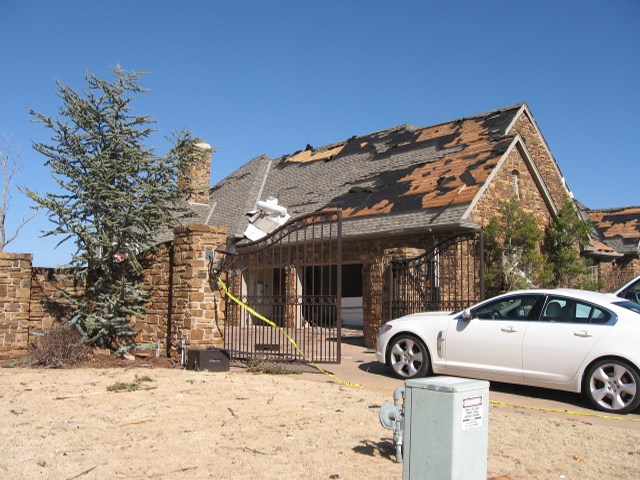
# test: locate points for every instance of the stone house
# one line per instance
(400, 191)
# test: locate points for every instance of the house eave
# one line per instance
(593, 253)
(436, 229)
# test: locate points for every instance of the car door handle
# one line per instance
(508, 329)
(583, 334)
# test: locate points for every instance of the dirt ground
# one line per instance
(143, 422)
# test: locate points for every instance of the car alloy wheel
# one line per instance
(408, 357)
(613, 385)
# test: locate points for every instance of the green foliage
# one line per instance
(563, 237)
(511, 249)
(519, 255)
(116, 197)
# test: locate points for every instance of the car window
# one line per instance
(560, 309)
(517, 307)
(633, 306)
(633, 292)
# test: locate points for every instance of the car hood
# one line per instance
(425, 316)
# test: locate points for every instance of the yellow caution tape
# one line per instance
(565, 412)
(226, 291)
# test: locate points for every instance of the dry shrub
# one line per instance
(61, 346)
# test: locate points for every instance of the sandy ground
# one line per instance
(66, 424)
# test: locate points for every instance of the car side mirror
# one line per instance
(466, 314)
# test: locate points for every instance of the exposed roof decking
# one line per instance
(619, 228)
(432, 173)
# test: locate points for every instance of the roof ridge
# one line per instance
(409, 127)
(515, 106)
(612, 209)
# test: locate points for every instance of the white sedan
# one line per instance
(562, 339)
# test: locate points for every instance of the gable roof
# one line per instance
(618, 229)
(396, 180)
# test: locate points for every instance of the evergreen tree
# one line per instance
(562, 240)
(117, 196)
(512, 240)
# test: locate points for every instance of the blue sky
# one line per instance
(254, 77)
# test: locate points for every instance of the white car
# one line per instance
(562, 339)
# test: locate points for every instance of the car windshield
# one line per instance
(633, 306)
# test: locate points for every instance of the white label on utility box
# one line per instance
(471, 412)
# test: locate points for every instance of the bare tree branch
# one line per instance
(9, 169)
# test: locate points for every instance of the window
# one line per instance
(516, 183)
(517, 307)
(352, 280)
(633, 292)
(567, 310)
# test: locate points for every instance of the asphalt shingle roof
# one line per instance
(400, 179)
(618, 228)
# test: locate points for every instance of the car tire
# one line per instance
(408, 357)
(613, 385)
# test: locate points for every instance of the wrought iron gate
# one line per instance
(449, 276)
(293, 278)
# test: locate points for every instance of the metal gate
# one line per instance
(448, 276)
(293, 278)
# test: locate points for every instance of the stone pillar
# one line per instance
(15, 297)
(293, 314)
(376, 295)
(372, 291)
(197, 307)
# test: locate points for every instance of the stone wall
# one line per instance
(503, 187)
(154, 327)
(183, 304)
(537, 148)
(15, 295)
(613, 275)
(48, 302)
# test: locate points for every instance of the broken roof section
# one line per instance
(393, 180)
(618, 229)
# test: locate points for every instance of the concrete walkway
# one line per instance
(358, 366)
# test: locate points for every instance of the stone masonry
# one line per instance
(15, 293)
(197, 308)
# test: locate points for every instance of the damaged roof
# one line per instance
(618, 228)
(394, 180)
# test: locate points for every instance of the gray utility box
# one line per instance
(212, 359)
(446, 429)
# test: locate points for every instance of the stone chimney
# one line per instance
(196, 181)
